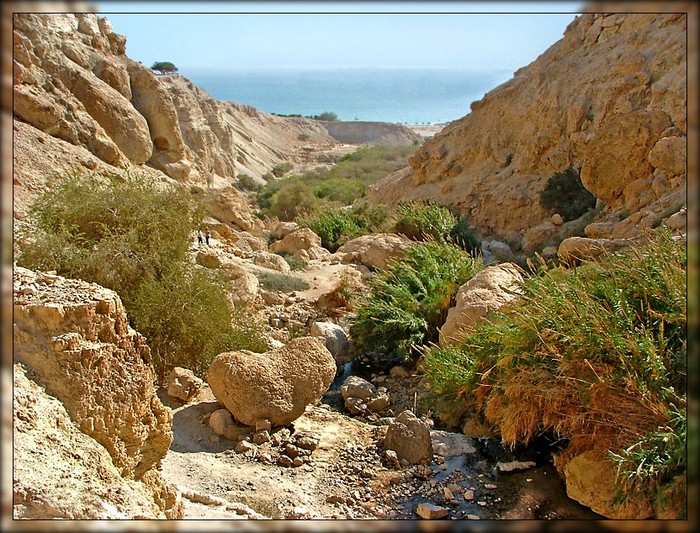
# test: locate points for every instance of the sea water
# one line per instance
(398, 95)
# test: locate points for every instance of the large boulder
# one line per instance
(487, 291)
(409, 437)
(75, 340)
(377, 250)
(228, 205)
(300, 239)
(277, 385)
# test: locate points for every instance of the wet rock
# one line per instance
(429, 511)
(513, 466)
(409, 437)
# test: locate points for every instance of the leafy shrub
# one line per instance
(281, 282)
(119, 232)
(247, 183)
(290, 202)
(327, 115)
(408, 303)
(335, 187)
(566, 195)
(293, 261)
(420, 221)
(464, 236)
(334, 227)
(280, 170)
(129, 234)
(595, 355)
(187, 320)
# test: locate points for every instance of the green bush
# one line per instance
(119, 232)
(566, 195)
(596, 355)
(293, 261)
(408, 303)
(131, 235)
(421, 221)
(281, 282)
(335, 187)
(280, 170)
(247, 183)
(334, 227)
(187, 320)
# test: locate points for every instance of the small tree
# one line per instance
(164, 67)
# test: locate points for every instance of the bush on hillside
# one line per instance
(595, 355)
(421, 221)
(131, 235)
(566, 195)
(119, 232)
(335, 187)
(408, 303)
(280, 170)
(187, 320)
(334, 227)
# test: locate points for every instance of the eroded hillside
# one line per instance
(608, 100)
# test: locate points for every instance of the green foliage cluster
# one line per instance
(131, 235)
(566, 195)
(164, 67)
(334, 227)
(280, 170)
(281, 282)
(293, 261)
(592, 354)
(422, 221)
(330, 188)
(246, 182)
(408, 303)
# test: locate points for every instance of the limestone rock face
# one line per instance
(227, 205)
(487, 291)
(409, 437)
(277, 385)
(376, 250)
(609, 98)
(59, 471)
(75, 339)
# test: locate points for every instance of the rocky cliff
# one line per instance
(81, 103)
(608, 99)
(72, 343)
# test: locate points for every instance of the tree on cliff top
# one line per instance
(164, 67)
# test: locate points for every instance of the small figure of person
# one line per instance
(200, 237)
(208, 236)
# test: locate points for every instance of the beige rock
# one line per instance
(556, 219)
(590, 479)
(271, 261)
(576, 249)
(300, 239)
(376, 250)
(430, 511)
(227, 205)
(282, 229)
(616, 123)
(409, 437)
(183, 384)
(243, 285)
(277, 385)
(76, 339)
(335, 339)
(487, 291)
(59, 471)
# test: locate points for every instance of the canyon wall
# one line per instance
(608, 100)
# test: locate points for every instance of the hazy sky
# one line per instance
(339, 34)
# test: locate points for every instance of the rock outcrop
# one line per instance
(75, 341)
(376, 251)
(487, 291)
(608, 99)
(277, 385)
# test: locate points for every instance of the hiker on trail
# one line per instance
(208, 235)
(200, 237)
